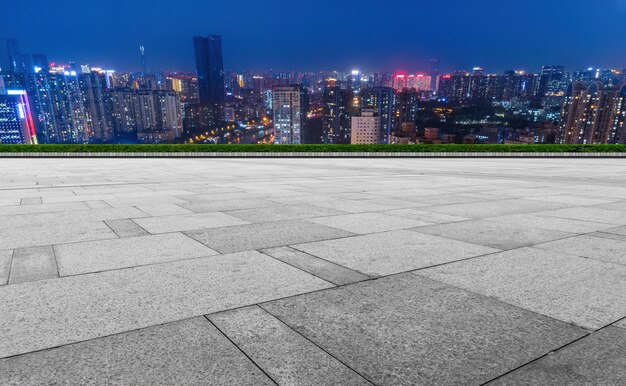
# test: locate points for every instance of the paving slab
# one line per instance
(597, 359)
(265, 235)
(163, 209)
(103, 255)
(5, 266)
(33, 264)
(552, 223)
(495, 208)
(494, 234)
(426, 216)
(43, 208)
(98, 204)
(188, 222)
(51, 313)
(364, 223)
(286, 356)
(226, 205)
(54, 234)
(407, 330)
(589, 214)
(43, 219)
(126, 228)
(286, 212)
(584, 292)
(321, 268)
(599, 248)
(31, 201)
(392, 252)
(192, 351)
(573, 199)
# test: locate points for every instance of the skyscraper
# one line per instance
(336, 116)
(433, 72)
(594, 114)
(16, 119)
(210, 68)
(383, 101)
(142, 52)
(290, 106)
(13, 50)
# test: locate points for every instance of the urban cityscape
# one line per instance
(44, 102)
(354, 192)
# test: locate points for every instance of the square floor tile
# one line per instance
(411, 330)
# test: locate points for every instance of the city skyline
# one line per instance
(497, 36)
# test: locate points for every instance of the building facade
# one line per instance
(365, 129)
(290, 107)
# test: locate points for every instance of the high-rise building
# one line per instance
(142, 53)
(419, 82)
(336, 100)
(13, 50)
(208, 51)
(383, 101)
(98, 106)
(594, 114)
(433, 72)
(122, 100)
(365, 129)
(16, 119)
(290, 107)
(552, 80)
(407, 106)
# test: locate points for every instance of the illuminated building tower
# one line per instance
(383, 101)
(365, 129)
(258, 86)
(158, 115)
(408, 100)
(419, 82)
(142, 52)
(98, 106)
(433, 72)
(18, 62)
(208, 51)
(552, 80)
(290, 107)
(122, 100)
(400, 82)
(40, 63)
(454, 87)
(16, 120)
(336, 102)
(594, 114)
(145, 112)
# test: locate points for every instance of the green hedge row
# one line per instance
(315, 148)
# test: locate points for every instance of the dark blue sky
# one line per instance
(324, 34)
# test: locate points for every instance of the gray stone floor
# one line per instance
(313, 271)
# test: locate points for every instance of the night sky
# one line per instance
(394, 35)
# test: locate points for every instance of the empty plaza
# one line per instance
(312, 271)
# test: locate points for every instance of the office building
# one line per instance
(336, 100)
(383, 101)
(208, 52)
(365, 129)
(290, 107)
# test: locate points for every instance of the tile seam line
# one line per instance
(589, 334)
(328, 261)
(240, 350)
(298, 268)
(185, 318)
(314, 344)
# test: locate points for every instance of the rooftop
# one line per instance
(312, 271)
